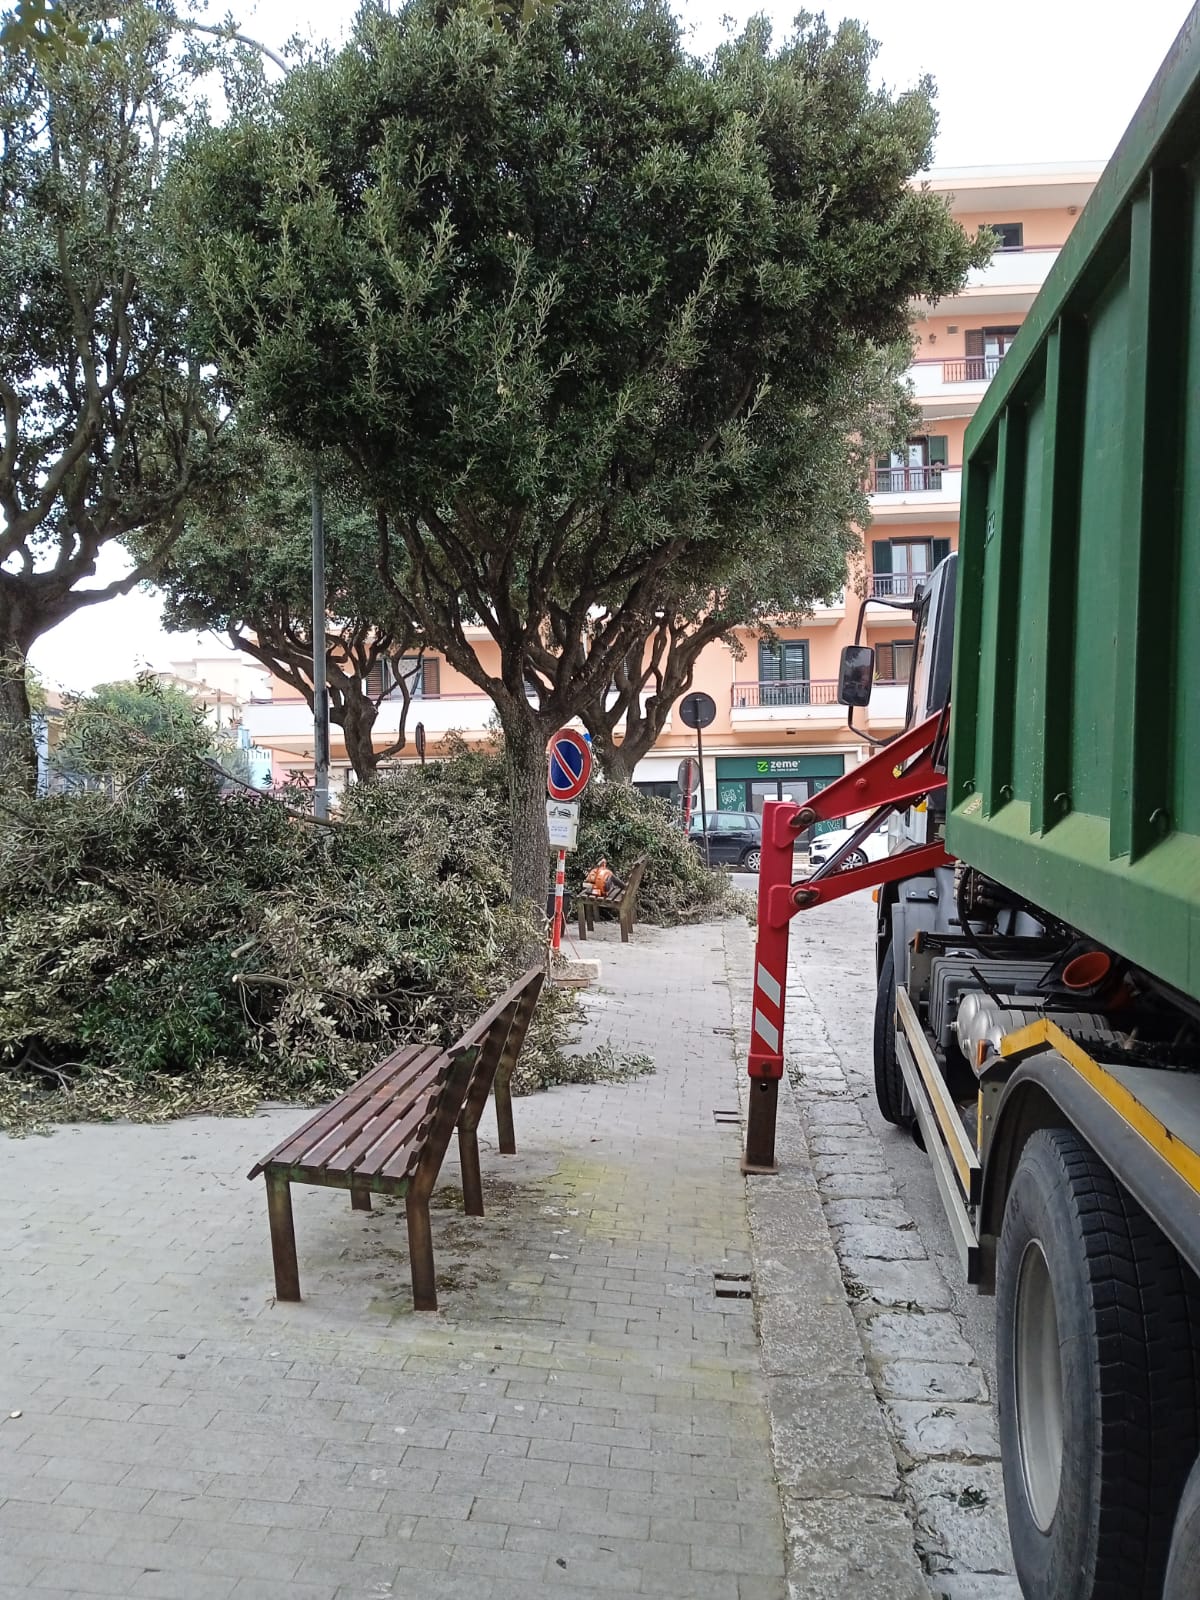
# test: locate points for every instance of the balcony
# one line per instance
(827, 612)
(908, 480)
(889, 702)
(952, 387)
(1009, 282)
(764, 706)
(895, 585)
(290, 722)
(916, 494)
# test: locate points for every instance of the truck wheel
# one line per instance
(890, 1091)
(1095, 1314)
(1183, 1567)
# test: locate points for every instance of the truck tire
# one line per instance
(1095, 1319)
(890, 1091)
(1183, 1566)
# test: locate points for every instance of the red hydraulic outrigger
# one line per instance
(898, 775)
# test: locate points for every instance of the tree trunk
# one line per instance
(18, 752)
(358, 729)
(616, 766)
(525, 748)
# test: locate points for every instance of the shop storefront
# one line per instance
(746, 783)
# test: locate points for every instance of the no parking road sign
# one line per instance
(570, 765)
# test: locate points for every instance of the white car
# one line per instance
(873, 848)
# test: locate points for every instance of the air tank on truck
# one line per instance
(1037, 1019)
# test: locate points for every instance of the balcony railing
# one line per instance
(907, 480)
(896, 585)
(971, 369)
(785, 692)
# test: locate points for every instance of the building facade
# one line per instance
(779, 731)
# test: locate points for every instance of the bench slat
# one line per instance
(398, 1153)
(389, 1101)
(361, 1153)
(330, 1115)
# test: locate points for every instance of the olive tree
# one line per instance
(580, 313)
(109, 424)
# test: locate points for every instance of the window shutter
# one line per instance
(974, 341)
(770, 667)
(881, 558)
(941, 549)
(374, 681)
(939, 450)
(431, 677)
(883, 662)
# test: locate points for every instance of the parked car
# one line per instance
(734, 839)
(873, 848)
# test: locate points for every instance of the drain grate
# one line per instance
(731, 1285)
(726, 1033)
(726, 1117)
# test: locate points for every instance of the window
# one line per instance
(421, 674)
(893, 661)
(783, 672)
(986, 348)
(918, 466)
(1009, 235)
(900, 566)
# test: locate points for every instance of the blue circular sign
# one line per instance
(570, 765)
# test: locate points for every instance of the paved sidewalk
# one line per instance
(582, 1416)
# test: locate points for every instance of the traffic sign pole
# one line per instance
(697, 710)
(559, 879)
(703, 800)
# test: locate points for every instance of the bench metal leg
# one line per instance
(420, 1252)
(472, 1178)
(502, 1096)
(360, 1198)
(283, 1237)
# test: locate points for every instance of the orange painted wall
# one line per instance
(1042, 227)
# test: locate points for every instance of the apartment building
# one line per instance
(779, 731)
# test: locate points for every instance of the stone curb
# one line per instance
(923, 1370)
(849, 1531)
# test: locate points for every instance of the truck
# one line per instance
(1037, 949)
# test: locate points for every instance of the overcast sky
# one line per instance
(1030, 80)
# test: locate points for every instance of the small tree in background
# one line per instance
(119, 729)
(246, 571)
(580, 313)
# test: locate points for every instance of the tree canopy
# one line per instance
(593, 324)
(110, 424)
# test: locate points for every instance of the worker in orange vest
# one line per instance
(601, 880)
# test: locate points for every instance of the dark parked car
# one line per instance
(734, 838)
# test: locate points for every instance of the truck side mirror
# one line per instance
(857, 675)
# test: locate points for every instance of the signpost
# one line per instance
(687, 778)
(569, 768)
(697, 710)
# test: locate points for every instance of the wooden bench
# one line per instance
(389, 1133)
(623, 903)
